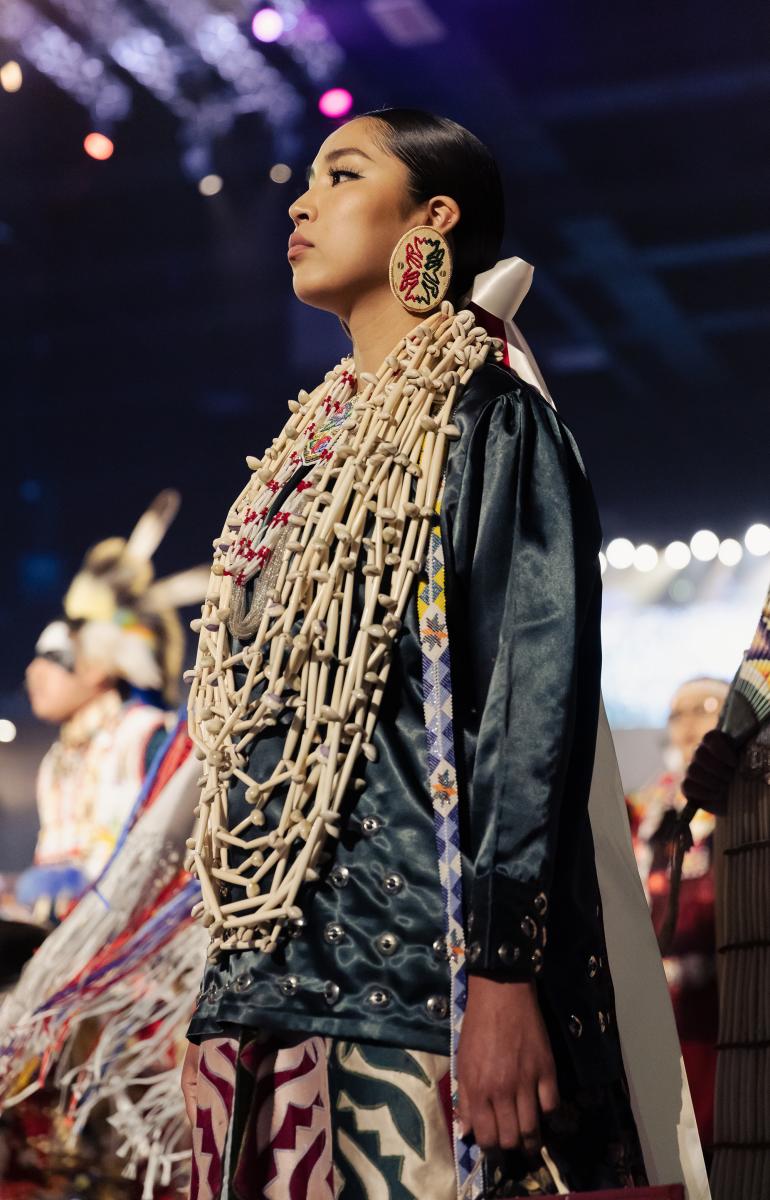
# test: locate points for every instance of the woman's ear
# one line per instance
(443, 213)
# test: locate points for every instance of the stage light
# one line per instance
(620, 553)
(7, 731)
(11, 77)
(602, 562)
(704, 545)
(210, 185)
(645, 558)
(682, 591)
(267, 25)
(337, 102)
(97, 146)
(677, 556)
(730, 552)
(757, 540)
(280, 173)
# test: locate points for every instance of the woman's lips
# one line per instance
(297, 243)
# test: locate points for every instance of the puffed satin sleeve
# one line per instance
(523, 540)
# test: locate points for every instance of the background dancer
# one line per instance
(99, 1013)
(730, 776)
(106, 674)
(690, 961)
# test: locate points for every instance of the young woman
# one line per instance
(336, 747)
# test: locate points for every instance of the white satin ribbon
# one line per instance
(500, 292)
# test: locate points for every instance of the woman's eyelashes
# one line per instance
(335, 174)
(338, 173)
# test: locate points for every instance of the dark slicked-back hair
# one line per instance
(444, 159)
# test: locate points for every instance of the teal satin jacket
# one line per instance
(368, 959)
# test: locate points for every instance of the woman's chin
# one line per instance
(314, 293)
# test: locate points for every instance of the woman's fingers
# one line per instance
(463, 1111)
(508, 1122)
(528, 1120)
(548, 1093)
(484, 1125)
(477, 1116)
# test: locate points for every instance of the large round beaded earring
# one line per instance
(421, 269)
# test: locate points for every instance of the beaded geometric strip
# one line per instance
(442, 781)
(362, 514)
(753, 680)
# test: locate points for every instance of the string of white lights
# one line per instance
(704, 546)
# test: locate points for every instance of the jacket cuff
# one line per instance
(506, 929)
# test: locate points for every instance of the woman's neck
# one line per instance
(376, 324)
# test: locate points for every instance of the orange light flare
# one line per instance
(98, 146)
(11, 76)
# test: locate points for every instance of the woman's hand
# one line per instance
(190, 1080)
(506, 1074)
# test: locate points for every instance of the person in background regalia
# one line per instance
(730, 776)
(106, 674)
(104, 999)
(690, 960)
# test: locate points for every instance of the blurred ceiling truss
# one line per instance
(613, 302)
(196, 57)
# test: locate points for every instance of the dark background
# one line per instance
(149, 336)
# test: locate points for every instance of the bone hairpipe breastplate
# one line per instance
(364, 508)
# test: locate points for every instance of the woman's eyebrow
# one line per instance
(334, 156)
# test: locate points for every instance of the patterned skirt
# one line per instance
(320, 1119)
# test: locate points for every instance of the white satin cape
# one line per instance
(660, 1094)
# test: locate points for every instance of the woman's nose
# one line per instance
(301, 209)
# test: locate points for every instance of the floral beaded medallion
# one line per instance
(421, 269)
(338, 408)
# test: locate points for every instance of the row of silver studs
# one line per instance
(575, 1025)
(508, 952)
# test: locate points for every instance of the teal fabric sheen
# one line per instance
(521, 539)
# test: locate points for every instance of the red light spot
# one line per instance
(98, 146)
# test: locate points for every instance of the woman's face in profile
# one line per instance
(56, 693)
(355, 209)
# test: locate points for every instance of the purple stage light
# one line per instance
(337, 102)
(267, 25)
